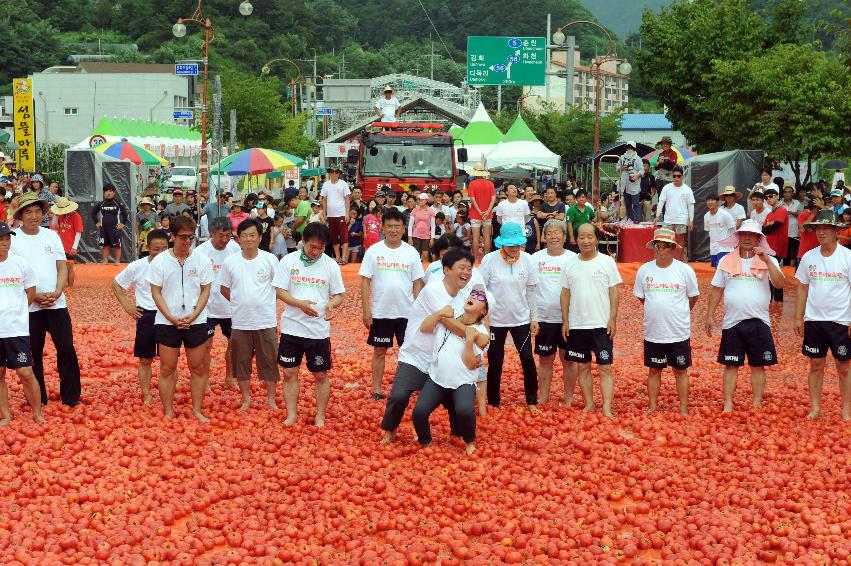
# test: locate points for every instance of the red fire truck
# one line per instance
(396, 155)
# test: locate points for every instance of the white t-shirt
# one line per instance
(676, 200)
(218, 306)
(550, 269)
(760, 216)
(447, 367)
(746, 296)
(335, 194)
(720, 226)
(794, 206)
(762, 188)
(41, 251)
(589, 282)
(507, 284)
(829, 278)
(252, 297)
(136, 275)
(434, 272)
(16, 276)
(512, 212)
(392, 273)
(181, 285)
(388, 108)
(316, 283)
(737, 212)
(666, 292)
(418, 347)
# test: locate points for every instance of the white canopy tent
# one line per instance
(521, 149)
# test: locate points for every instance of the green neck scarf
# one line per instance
(306, 260)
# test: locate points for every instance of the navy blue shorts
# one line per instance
(580, 344)
(292, 349)
(223, 323)
(382, 331)
(675, 354)
(15, 352)
(171, 336)
(549, 339)
(145, 344)
(751, 338)
(821, 336)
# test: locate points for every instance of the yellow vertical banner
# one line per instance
(24, 123)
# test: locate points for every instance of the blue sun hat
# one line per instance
(510, 234)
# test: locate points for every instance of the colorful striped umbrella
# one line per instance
(256, 160)
(683, 155)
(131, 152)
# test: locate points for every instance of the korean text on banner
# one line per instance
(24, 123)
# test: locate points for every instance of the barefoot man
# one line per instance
(17, 292)
(246, 281)
(311, 285)
(668, 289)
(823, 309)
(743, 276)
(589, 311)
(142, 310)
(180, 282)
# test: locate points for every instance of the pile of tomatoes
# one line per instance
(112, 482)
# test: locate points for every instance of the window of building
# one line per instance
(70, 111)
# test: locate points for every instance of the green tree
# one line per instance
(292, 139)
(50, 161)
(679, 45)
(30, 43)
(791, 101)
(260, 113)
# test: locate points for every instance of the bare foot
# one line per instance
(846, 415)
(814, 413)
(543, 399)
(389, 436)
(589, 408)
(684, 411)
(5, 422)
(471, 447)
(651, 409)
(230, 383)
(727, 409)
(483, 410)
(290, 420)
(246, 404)
(272, 405)
(200, 416)
(169, 415)
(757, 404)
(146, 400)
(533, 409)
(607, 412)
(568, 401)
(319, 421)
(39, 418)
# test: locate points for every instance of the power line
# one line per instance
(437, 32)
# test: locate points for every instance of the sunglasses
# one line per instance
(479, 296)
(676, 176)
(185, 237)
(662, 245)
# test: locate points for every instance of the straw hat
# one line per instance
(27, 200)
(388, 88)
(146, 200)
(664, 235)
(730, 190)
(63, 206)
(479, 171)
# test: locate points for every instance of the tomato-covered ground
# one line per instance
(111, 481)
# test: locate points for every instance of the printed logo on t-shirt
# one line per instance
(193, 272)
(652, 286)
(48, 249)
(384, 265)
(545, 270)
(216, 267)
(826, 276)
(599, 274)
(749, 277)
(263, 274)
(6, 282)
(301, 281)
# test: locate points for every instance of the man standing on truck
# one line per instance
(388, 108)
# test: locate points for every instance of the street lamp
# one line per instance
(179, 30)
(624, 68)
(267, 68)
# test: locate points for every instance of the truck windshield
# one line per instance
(426, 161)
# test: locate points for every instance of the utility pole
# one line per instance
(232, 142)
(498, 99)
(311, 98)
(217, 128)
(568, 82)
(431, 55)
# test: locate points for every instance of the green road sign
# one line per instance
(495, 60)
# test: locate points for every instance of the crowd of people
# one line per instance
(550, 288)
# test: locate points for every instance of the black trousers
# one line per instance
(522, 337)
(407, 380)
(58, 323)
(433, 395)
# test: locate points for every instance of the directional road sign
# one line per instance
(189, 69)
(325, 111)
(493, 60)
(183, 115)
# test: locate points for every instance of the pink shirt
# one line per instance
(421, 224)
(235, 220)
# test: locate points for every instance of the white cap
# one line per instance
(632, 143)
(2, 155)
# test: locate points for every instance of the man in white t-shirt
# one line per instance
(142, 310)
(391, 278)
(676, 207)
(823, 309)
(218, 248)
(416, 352)
(589, 311)
(513, 209)
(759, 211)
(336, 200)
(720, 226)
(668, 289)
(42, 249)
(311, 285)
(550, 263)
(180, 282)
(743, 276)
(16, 294)
(730, 195)
(388, 106)
(246, 281)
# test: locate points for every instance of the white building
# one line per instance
(615, 86)
(70, 101)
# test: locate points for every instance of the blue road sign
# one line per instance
(183, 115)
(187, 69)
(324, 111)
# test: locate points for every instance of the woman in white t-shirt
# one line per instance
(513, 209)
(180, 282)
(765, 183)
(454, 368)
(510, 275)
